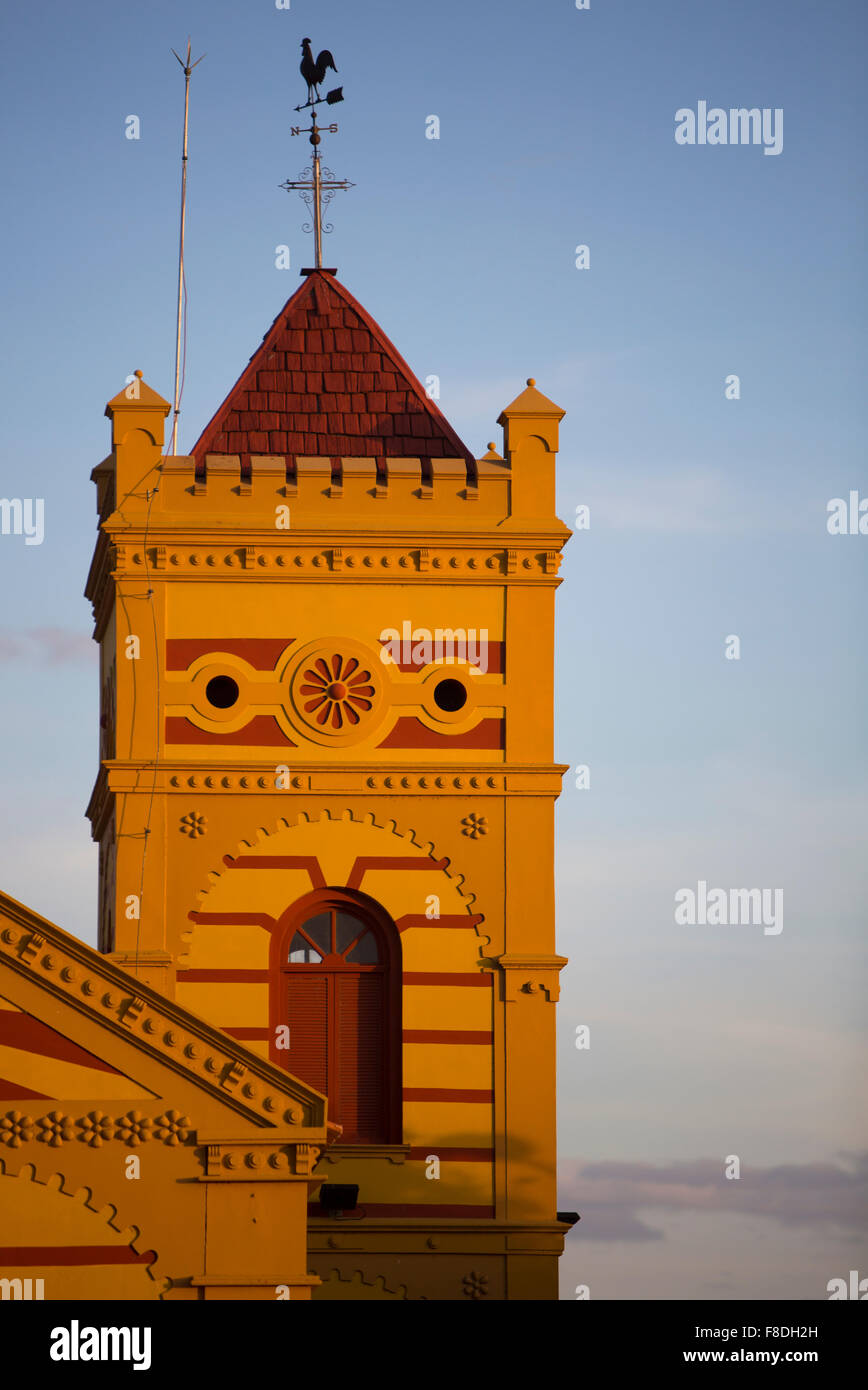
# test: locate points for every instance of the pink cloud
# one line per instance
(610, 1196)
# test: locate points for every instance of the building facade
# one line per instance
(325, 796)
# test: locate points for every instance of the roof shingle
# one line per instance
(326, 380)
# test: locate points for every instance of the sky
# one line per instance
(708, 513)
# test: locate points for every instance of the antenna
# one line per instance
(188, 68)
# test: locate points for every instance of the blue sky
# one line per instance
(707, 515)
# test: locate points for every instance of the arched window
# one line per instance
(337, 985)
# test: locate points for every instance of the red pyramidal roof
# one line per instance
(327, 382)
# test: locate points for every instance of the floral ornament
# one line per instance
(193, 825)
(475, 1285)
(173, 1127)
(337, 692)
(55, 1128)
(95, 1128)
(16, 1129)
(134, 1128)
(475, 825)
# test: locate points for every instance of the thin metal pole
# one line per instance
(317, 211)
(188, 68)
(315, 139)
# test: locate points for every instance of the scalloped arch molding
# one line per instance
(276, 868)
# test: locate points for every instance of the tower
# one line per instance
(325, 799)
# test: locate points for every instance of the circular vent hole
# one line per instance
(222, 692)
(450, 695)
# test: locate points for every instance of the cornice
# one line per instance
(97, 570)
(121, 776)
(323, 1227)
(99, 806)
(529, 975)
(155, 556)
(355, 531)
(98, 587)
(393, 1153)
(238, 1159)
(526, 561)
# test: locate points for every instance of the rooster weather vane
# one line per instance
(316, 184)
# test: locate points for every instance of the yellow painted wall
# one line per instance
(347, 569)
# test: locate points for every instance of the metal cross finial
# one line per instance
(315, 190)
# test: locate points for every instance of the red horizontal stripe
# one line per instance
(434, 977)
(429, 1093)
(447, 919)
(410, 732)
(259, 652)
(366, 862)
(43, 1256)
(278, 861)
(455, 1036)
(262, 731)
(227, 976)
(234, 919)
(493, 651)
(452, 1155)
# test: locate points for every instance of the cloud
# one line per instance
(610, 1196)
(49, 646)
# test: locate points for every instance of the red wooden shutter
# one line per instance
(360, 1099)
(307, 1058)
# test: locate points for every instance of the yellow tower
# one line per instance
(325, 801)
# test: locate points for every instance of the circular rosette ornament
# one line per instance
(336, 692)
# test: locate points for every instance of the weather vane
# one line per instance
(316, 184)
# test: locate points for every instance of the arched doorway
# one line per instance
(336, 984)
